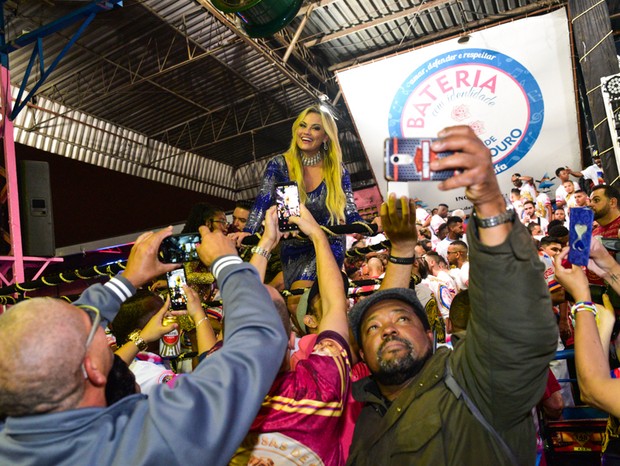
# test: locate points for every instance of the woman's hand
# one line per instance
(601, 262)
(306, 222)
(194, 306)
(574, 280)
(272, 234)
(154, 329)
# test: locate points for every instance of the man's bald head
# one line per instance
(42, 341)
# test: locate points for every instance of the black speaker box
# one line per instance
(35, 205)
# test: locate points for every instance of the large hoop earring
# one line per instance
(325, 147)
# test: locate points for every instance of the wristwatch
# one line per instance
(504, 217)
(138, 340)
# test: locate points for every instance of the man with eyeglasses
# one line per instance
(55, 363)
(219, 222)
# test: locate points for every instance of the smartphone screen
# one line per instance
(409, 159)
(176, 281)
(287, 201)
(177, 249)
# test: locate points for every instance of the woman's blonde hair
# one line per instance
(332, 165)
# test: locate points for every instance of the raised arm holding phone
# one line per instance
(417, 402)
(64, 361)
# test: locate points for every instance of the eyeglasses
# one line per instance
(224, 222)
(95, 319)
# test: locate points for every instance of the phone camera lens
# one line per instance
(395, 159)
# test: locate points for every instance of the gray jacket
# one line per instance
(202, 420)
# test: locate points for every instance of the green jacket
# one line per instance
(501, 364)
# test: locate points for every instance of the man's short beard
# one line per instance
(601, 212)
(398, 370)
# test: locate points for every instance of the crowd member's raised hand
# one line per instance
(573, 279)
(306, 222)
(474, 171)
(238, 237)
(399, 224)
(205, 336)
(152, 331)
(268, 241)
(398, 219)
(272, 234)
(213, 245)
(143, 264)
(603, 264)
(597, 387)
(473, 164)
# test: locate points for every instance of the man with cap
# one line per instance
(471, 405)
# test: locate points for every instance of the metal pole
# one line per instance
(301, 27)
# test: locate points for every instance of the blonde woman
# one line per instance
(314, 161)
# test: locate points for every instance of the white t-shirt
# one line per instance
(421, 215)
(461, 276)
(560, 192)
(442, 247)
(444, 289)
(149, 375)
(528, 192)
(543, 205)
(436, 222)
(594, 174)
(518, 205)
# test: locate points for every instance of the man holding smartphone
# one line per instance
(53, 389)
(471, 405)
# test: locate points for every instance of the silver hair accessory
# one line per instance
(311, 161)
(325, 147)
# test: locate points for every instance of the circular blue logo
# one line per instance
(489, 91)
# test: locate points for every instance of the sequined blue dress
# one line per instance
(297, 255)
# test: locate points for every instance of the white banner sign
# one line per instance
(513, 84)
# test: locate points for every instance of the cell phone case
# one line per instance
(408, 159)
(580, 235)
(177, 249)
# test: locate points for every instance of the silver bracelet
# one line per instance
(261, 251)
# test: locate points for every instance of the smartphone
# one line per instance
(580, 235)
(287, 201)
(611, 244)
(177, 249)
(176, 281)
(409, 159)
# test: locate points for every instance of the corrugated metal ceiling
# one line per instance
(183, 75)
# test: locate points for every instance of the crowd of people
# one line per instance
(450, 347)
